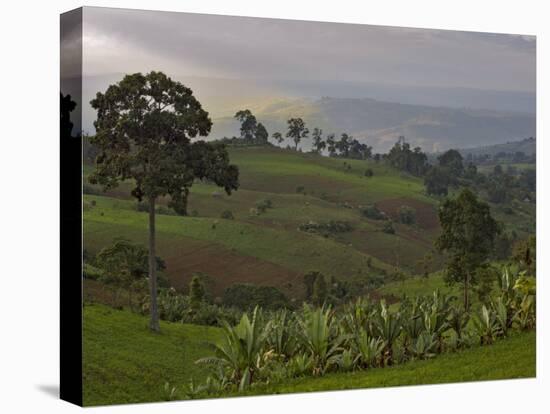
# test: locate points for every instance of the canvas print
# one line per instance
(279, 206)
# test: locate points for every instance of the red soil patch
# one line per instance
(224, 267)
(426, 214)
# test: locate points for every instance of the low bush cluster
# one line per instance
(264, 204)
(407, 215)
(245, 295)
(372, 212)
(326, 228)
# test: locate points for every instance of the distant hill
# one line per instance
(380, 123)
(434, 118)
(527, 146)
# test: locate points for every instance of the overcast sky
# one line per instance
(180, 44)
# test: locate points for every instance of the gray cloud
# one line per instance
(122, 41)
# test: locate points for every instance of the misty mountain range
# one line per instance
(435, 118)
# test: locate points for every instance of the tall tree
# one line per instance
(452, 160)
(297, 130)
(468, 234)
(320, 290)
(261, 135)
(318, 142)
(144, 128)
(343, 146)
(196, 292)
(331, 145)
(248, 124)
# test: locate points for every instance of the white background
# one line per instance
(29, 207)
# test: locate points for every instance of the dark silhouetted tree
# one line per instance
(261, 134)
(318, 143)
(248, 125)
(196, 292)
(297, 130)
(144, 128)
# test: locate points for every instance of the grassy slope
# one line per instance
(124, 362)
(269, 247)
(509, 358)
(134, 364)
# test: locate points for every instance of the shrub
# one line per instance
(407, 215)
(372, 212)
(246, 295)
(90, 189)
(368, 172)
(263, 204)
(388, 227)
(330, 227)
(91, 272)
(300, 189)
(227, 214)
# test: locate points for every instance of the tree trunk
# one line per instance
(154, 323)
(466, 287)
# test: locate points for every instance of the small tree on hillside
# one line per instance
(309, 280)
(144, 128)
(331, 145)
(196, 292)
(124, 265)
(320, 290)
(318, 143)
(248, 125)
(297, 130)
(468, 234)
(451, 161)
(261, 135)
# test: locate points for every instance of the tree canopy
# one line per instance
(468, 234)
(144, 128)
(297, 130)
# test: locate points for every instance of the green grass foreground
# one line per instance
(509, 358)
(124, 363)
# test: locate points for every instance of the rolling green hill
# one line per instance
(268, 248)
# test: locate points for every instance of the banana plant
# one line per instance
(525, 315)
(486, 326)
(507, 280)
(458, 321)
(282, 335)
(217, 382)
(358, 316)
(503, 317)
(300, 365)
(346, 360)
(413, 324)
(368, 349)
(319, 336)
(241, 348)
(193, 389)
(435, 315)
(388, 327)
(425, 346)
